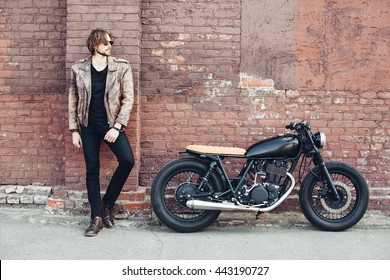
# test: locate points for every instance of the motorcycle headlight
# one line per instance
(320, 139)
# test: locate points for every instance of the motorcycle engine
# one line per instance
(261, 193)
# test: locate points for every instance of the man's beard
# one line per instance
(103, 54)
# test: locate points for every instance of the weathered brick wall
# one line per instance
(39, 42)
(189, 80)
(31, 139)
(231, 73)
(334, 56)
(32, 80)
(122, 18)
(32, 46)
(210, 72)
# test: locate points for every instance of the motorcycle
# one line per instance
(189, 193)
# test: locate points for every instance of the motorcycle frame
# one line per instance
(216, 163)
(215, 160)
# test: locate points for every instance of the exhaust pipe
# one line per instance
(224, 206)
(230, 206)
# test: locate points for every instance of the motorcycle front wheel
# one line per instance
(321, 208)
(179, 177)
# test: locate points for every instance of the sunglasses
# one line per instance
(111, 43)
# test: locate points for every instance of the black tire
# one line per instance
(168, 210)
(324, 212)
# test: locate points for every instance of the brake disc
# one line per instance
(337, 206)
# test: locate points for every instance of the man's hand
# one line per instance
(111, 135)
(76, 139)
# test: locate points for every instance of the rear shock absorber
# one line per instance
(206, 177)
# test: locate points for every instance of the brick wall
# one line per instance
(210, 72)
(32, 46)
(31, 83)
(122, 18)
(39, 42)
(189, 80)
(32, 139)
(334, 54)
(231, 73)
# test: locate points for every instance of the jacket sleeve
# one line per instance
(127, 96)
(73, 102)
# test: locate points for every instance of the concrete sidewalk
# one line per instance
(33, 234)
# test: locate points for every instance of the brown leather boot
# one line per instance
(108, 216)
(95, 226)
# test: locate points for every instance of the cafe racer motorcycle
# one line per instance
(189, 193)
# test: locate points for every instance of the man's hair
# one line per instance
(96, 37)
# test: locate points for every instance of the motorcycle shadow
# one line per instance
(241, 220)
(238, 221)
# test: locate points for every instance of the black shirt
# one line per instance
(97, 111)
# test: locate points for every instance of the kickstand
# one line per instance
(257, 215)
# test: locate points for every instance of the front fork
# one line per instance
(318, 160)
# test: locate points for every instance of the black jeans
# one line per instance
(91, 137)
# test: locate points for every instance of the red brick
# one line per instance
(60, 194)
(135, 205)
(53, 203)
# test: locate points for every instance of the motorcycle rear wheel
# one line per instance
(182, 173)
(319, 206)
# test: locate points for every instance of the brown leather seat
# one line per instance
(216, 150)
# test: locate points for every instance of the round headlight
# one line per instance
(320, 139)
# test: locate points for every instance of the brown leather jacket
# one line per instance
(119, 94)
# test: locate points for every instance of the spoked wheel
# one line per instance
(174, 185)
(319, 204)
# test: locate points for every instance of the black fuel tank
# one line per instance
(280, 147)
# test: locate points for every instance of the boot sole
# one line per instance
(92, 234)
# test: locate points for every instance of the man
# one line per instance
(100, 101)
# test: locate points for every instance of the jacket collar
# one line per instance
(111, 77)
(86, 66)
(111, 64)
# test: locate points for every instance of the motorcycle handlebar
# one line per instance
(291, 126)
(295, 126)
